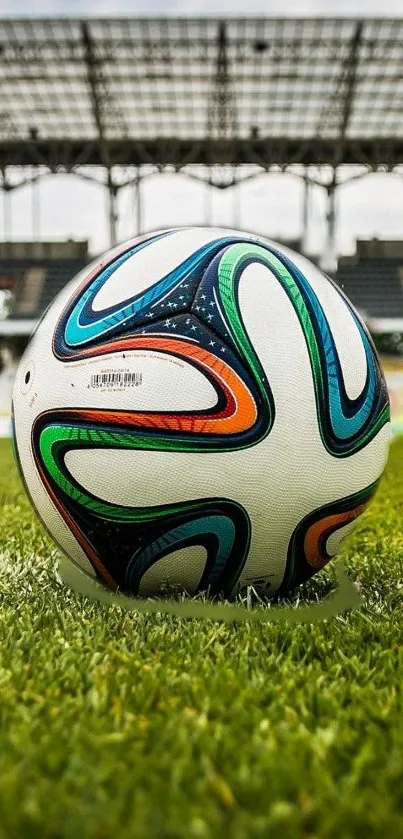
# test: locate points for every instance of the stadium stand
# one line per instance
(38, 272)
(39, 284)
(373, 278)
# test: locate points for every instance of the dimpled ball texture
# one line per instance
(200, 408)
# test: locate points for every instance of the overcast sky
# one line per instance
(201, 7)
(270, 204)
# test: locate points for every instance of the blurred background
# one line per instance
(113, 123)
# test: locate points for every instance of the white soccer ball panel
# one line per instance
(279, 481)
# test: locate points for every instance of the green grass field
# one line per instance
(120, 725)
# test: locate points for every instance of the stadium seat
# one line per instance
(37, 283)
(374, 286)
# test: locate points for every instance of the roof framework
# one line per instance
(178, 92)
(115, 100)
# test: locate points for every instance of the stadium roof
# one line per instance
(187, 91)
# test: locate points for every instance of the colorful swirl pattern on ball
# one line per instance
(308, 547)
(243, 415)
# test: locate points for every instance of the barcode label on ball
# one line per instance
(116, 378)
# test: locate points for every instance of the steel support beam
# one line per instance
(137, 200)
(7, 209)
(97, 92)
(329, 257)
(350, 79)
(113, 208)
(208, 202)
(236, 205)
(36, 209)
(67, 154)
(221, 115)
(305, 211)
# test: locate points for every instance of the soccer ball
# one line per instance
(201, 408)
